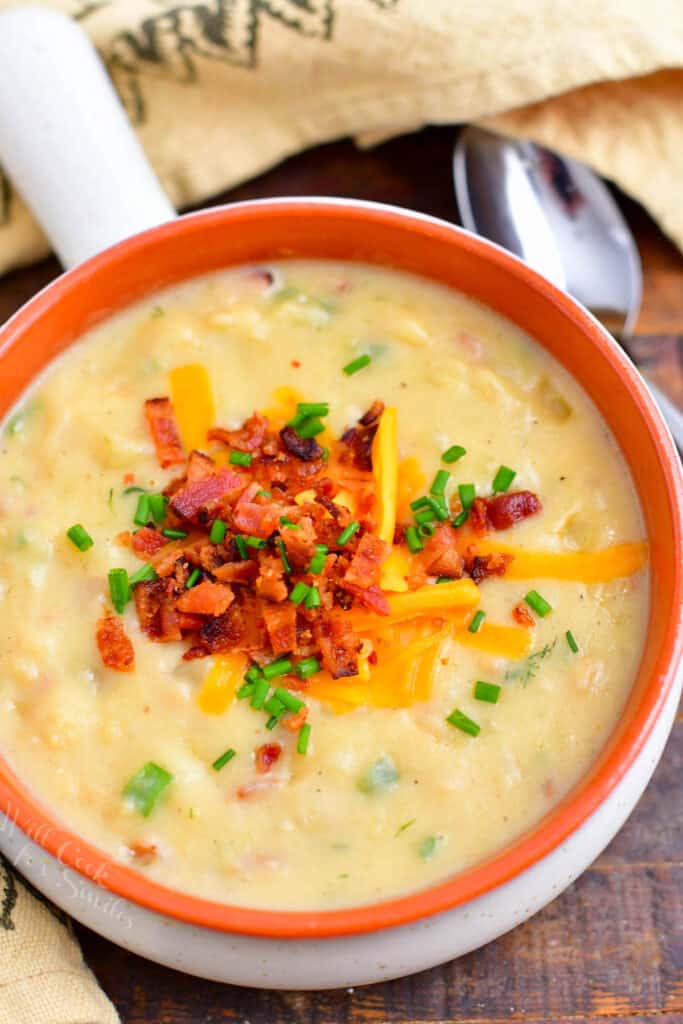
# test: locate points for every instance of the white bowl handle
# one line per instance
(65, 141)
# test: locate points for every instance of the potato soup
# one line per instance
(319, 583)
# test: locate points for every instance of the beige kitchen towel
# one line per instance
(219, 90)
(43, 979)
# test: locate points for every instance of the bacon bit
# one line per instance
(258, 519)
(338, 645)
(164, 431)
(241, 628)
(364, 569)
(372, 658)
(199, 467)
(307, 449)
(267, 755)
(128, 478)
(144, 853)
(147, 541)
(270, 583)
(258, 787)
(237, 572)
(115, 648)
(156, 614)
(370, 597)
(195, 501)
(206, 598)
(503, 510)
(358, 440)
(522, 615)
(295, 363)
(479, 567)
(280, 620)
(124, 539)
(189, 623)
(248, 438)
(294, 722)
(300, 543)
(440, 556)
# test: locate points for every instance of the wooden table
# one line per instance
(608, 950)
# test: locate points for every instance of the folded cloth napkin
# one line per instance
(43, 979)
(219, 90)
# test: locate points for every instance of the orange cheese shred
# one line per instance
(221, 682)
(581, 566)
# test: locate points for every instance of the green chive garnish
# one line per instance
(572, 642)
(413, 540)
(259, 692)
(444, 579)
(313, 408)
(439, 508)
(133, 489)
(425, 515)
(146, 786)
(240, 459)
(489, 692)
(467, 493)
(426, 529)
(461, 721)
(245, 690)
(287, 698)
(477, 619)
(307, 667)
(193, 578)
(255, 542)
(143, 574)
(79, 536)
(218, 531)
(461, 518)
(312, 599)
(221, 761)
(304, 736)
(311, 427)
(241, 545)
(280, 544)
(274, 719)
(538, 603)
(174, 534)
(273, 705)
(347, 533)
(253, 674)
(455, 452)
(439, 484)
(299, 592)
(419, 503)
(325, 455)
(281, 667)
(142, 512)
(356, 364)
(263, 494)
(157, 507)
(318, 561)
(503, 479)
(119, 589)
(287, 523)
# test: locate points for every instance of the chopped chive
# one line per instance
(142, 511)
(413, 540)
(444, 579)
(193, 578)
(425, 515)
(218, 531)
(240, 459)
(299, 592)
(318, 561)
(356, 364)
(297, 419)
(287, 523)
(263, 494)
(489, 692)
(79, 536)
(347, 533)
(419, 503)
(157, 507)
(255, 542)
(258, 694)
(133, 489)
(477, 619)
(325, 455)
(119, 589)
(253, 673)
(273, 705)
(174, 534)
(503, 479)
(307, 667)
(312, 599)
(274, 719)
(245, 690)
(439, 483)
(461, 721)
(461, 518)
(143, 574)
(280, 544)
(313, 408)
(311, 427)
(467, 493)
(439, 508)
(146, 786)
(287, 698)
(402, 828)
(221, 761)
(452, 454)
(426, 529)
(281, 667)
(241, 546)
(304, 737)
(429, 846)
(538, 603)
(571, 641)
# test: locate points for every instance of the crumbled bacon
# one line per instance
(248, 438)
(206, 598)
(440, 556)
(300, 542)
(266, 756)
(271, 580)
(256, 518)
(154, 602)
(195, 501)
(280, 620)
(115, 648)
(358, 440)
(338, 645)
(503, 510)
(147, 541)
(294, 722)
(479, 567)
(364, 570)
(237, 572)
(305, 448)
(522, 615)
(143, 853)
(164, 431)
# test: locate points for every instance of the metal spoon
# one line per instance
(562, 220)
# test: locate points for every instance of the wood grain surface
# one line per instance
(610, 949)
